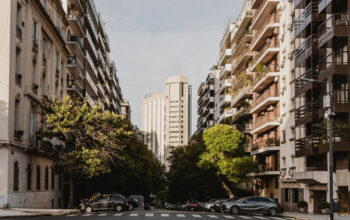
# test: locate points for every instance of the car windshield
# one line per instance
(241, 199)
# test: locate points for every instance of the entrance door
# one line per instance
(319, 196)
(343, 193)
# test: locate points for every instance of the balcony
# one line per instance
(76, 24)
(266, 30)
(267, 169)
(242, 43)
(226, 114)
(266, 52)
(310, 13)
(227, 83)
(323, 5)
(225, 69)
(335, 26)
(297, 3)
(243, 94)
(268, 97)
(242, 59)
(18, 78)
(242, 22)
(75, 44)
(225, 101)
(307, 113)
(268, 121)
(107, 45)
(227, 35)
(305, 50)
(333, 63)
(265, 78)
(91, 46)
(75, 67)
(91, 88)
(224, 57)
(91, 68)
(19, 32)
(306, 146)
(73, 86)
(92, 24)
(301, 86)
(266, 146)
(313, 177)
(263, 10)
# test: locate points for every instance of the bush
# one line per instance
(323, 205)
(302, 204)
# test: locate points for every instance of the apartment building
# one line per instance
(126, 110)
(206, 102)
(321, 30)
(43, 56)
(166, 118)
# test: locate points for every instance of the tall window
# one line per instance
(18, 60)
(15, 176)
(38, 177)
(32, 126)
(59, 181)
(44, 47)
(43, 86)
(57, 61)
(35, 29)
(52, 179)
(34, 72)
(19, 14)
(29, 177)
(17, 108)
(46, 178)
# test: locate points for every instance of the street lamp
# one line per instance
(327, 103)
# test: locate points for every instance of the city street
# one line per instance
(155, 214)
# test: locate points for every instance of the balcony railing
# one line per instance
(270, 43)
(341, 96)
(267, 167)
(326, 29)
(308, 74)
(306, 109)
(77, 17)
(266, 94)
(273, 18)
(74, 61)
(333, 59)
(268, 117)
(259, 9)
(305, 18)
(270, 68)
(71, 84)
(75, 39)
(18, 78)
(323, 4)
(270, 142)
(19, 32)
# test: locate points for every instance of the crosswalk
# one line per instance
(180, 215)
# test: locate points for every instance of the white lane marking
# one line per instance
(118, 214)
(149, 214)
(279, 218)
(196, 216)
(134, 214)
(164, 215)
(72, 215)
(259, 217)
(227, 216)
(212, 216)
(87, 215)
(245, 217)
(181, 215)
(104, 214)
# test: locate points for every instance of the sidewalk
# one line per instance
(307, 216)
(22, 212)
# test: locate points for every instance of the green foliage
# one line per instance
(186, 181)
(302, 204)
(340, 129)
(323, 205)
(260, 67)
(225, 153)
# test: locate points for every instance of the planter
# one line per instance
(302, 210)
(325, 211)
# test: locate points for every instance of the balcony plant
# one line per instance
(302, 206)
(324, 207)
(271, 142)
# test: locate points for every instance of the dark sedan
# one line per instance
(115, 202)
(254, 204)
(132, 202)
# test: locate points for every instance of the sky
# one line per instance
(153, 39)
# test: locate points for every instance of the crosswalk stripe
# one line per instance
(72, 215)
(227, 216)
(118, 214)
(102, 214)
(149, 214)
(259, 217)
(87, 215)
(277, 218)
(196, 216)
(134, 214)
(212, 216)
(181, 215)
(164, 215)
(245, 217)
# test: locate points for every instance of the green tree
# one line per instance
(225, 153)
(92, 140)
(186, 181)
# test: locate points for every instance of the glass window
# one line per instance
(15, 176)
(265, 200)
(35, 27)
(103, 199)
(46, 178)
(38, 177)
(252, 199)
(17, 108)
(18, 60)
(52, 179)
(286, 195)
(295, 195)
(29, 177)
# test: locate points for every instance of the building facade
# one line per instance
(43, 56)
(166, 118)
(206, 102)
(126, 110)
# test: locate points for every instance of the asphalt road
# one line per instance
(154, 215)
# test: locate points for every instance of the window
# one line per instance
(103, 199)
(52, 179)
(17, 108)
(43, 88)
(18, 18)
(295, 195)
(35, 28)
(29, 177)
(46, 178)
(286, 195)
(38, 177)
(276, 183)
(34, 73)
(253, 199)
(44, 48)
(18, 60)
(283, 136)
(15, 176)
(59, 181)
(57, 61)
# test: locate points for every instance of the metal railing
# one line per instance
(270, 68)
(270, 43)
(268, 117)
(76, 39)
(19, 32)
(74, 61)
(273, 18)
(267, 167)
(270, 92)
(270, 142)
(72, 84)
(335, 20)
(335, 58)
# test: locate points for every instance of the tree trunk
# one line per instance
(71, 193)
(225, 187)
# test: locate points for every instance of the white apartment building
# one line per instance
(166, 118)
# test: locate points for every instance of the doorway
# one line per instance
(319, 196)
(343, 194)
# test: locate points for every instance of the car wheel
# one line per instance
(88, 209)
(273, 212)
(235, 210)
(118, 208)
(131, 207)
(212, 209)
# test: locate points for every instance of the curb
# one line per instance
(33, 214)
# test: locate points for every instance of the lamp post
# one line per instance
(329, 114)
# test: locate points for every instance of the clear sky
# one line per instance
(152, 39)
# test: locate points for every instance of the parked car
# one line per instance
(217, 205)
(132, 203)
(209, 204)
(254, 204)
(191, 207)
(223, 204)
(115, 202)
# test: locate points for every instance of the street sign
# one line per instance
(326, 101)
